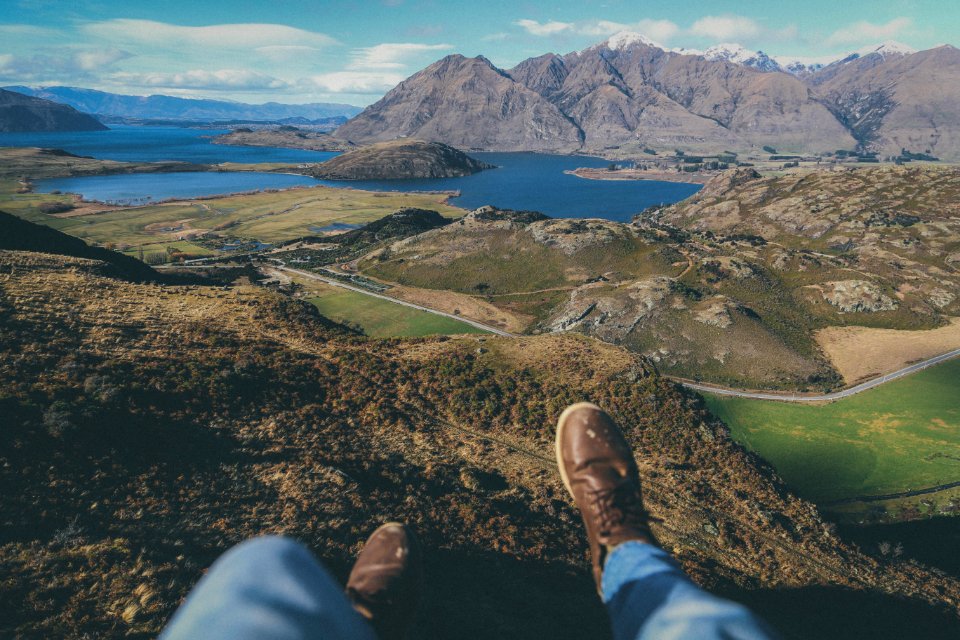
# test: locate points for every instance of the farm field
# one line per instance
(270, 216)
(898, 437)
(380, 318)
(860, 353)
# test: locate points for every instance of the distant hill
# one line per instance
(19, 235)
(400, 160)
(24, 113)
(173, 108)
(628, 94)
(286, 136)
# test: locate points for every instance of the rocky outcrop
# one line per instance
(611, 316)
(23, 113)
(715, 312)
(857, 296)
(400, 160)
(571, 235)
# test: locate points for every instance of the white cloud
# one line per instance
(94, 59)
(659, 30)
(220, 80)
(864, 31)
(357, 82)
(240, 36)
(284, 52)
(495, 37)
(391, 55)
(544, 28)
(60, 65)
(725, 28)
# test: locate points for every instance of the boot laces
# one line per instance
(619, 507)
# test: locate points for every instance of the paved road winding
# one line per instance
(696, 386)
(827, 397)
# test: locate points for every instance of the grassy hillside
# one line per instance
(150, 427)
(901, 436)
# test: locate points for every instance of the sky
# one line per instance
(353, 51)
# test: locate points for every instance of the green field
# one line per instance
(270, 216)
(901, 436)
(382, 319)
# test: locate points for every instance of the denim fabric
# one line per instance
(267, 588)
(648, 597)
(271, 588)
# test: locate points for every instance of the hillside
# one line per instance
(733, 285)
(154, 426)
(19, 235)
(23, 113)
(892, 229)
(399, 160)
(898, 102)
(628, 94)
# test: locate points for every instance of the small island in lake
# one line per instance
(287, 137)
(399, 160)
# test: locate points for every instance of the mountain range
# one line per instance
(115, 105)
(628, 94)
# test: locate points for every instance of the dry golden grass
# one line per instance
(464, 305)
(861, 352)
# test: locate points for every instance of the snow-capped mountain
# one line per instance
(802, 67)
(626, 39)
(738, 54)
(890, 48)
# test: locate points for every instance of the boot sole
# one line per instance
(561, 424)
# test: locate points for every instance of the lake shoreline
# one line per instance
(593, 173)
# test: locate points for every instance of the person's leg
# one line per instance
(267, 588)
(646, 594)
(649, 597)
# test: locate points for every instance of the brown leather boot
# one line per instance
(598, 469)
(385, 583)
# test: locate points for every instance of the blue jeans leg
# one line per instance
(267, 588)
(649, 597)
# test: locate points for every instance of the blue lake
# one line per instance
(531, 181)
(143, 188)
(537, 182)
(155, 144)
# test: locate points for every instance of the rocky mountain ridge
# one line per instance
(629, 94)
